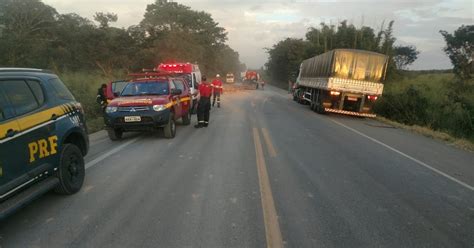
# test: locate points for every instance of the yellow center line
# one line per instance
(270, 219)
(268, 142)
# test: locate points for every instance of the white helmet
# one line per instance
(218, 75)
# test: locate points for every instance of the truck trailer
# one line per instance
(344, 81)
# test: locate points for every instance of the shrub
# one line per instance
(436, 100)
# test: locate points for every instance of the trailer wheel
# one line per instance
(319, 107)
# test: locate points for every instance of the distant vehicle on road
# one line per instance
(43, 138)
(252, 77)
(229, 78)
(344, 81)
(192, 75)
(148, 102)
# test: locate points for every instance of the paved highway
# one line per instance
(266, 172)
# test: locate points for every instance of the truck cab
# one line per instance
(147, 104)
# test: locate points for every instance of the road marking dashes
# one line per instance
(270, 218)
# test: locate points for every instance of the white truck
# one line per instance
(344, 81)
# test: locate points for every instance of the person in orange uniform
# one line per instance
(204, 104)
(217, 86)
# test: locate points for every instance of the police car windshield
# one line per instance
(146, 88)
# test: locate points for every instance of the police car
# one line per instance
(43, 137)
(150, 101)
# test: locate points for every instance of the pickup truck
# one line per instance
(148, 104)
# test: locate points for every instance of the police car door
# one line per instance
(9, 129)
(31, 149)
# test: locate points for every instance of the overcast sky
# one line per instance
(255, 25)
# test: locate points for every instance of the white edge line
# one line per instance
(407, 156)
(107, 154)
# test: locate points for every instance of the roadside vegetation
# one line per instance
(84, 87)
(87, 53)
(437, 101)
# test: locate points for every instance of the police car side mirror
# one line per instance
(175, 92)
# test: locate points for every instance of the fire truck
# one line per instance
(344, 81)
(252, 77)
(190, 72)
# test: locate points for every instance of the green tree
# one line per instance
(176, 32)
(285, 58)
(460, 49)
(105, 18)
(26, 32)
(404, 56)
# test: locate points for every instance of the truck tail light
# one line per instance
(372, 98)
(335, 93)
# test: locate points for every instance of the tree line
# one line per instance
(34, 34)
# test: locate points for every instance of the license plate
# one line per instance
(132, 118)
(352, 99)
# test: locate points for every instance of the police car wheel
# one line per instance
(71, 170)
(170, 129)
(187, 118)
(115, 134)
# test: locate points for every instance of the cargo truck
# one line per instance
(344, 81)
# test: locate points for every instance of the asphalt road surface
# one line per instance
(266, 172)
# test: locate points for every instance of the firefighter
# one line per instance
(101, 98)
(217, 90)
(204, 104)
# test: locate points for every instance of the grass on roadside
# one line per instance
(84, 86)
(425, 131)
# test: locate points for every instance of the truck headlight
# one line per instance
(159, 107)
(110, 109)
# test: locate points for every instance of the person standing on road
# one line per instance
(217, 89)
(101, 98)
(204, 104)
